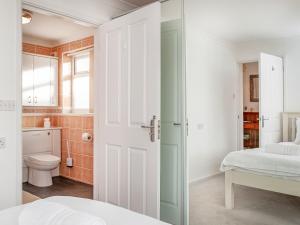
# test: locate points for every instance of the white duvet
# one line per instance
(110, 214)
(258, 161)
(43, 212)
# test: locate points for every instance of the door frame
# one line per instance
(240, 96)
(240, 102)
(19, 107)
(185, 163)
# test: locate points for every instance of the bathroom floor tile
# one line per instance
(61, 187)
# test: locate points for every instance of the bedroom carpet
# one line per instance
(252, 206)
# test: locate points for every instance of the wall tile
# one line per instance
(75, 45)
(76, 147)
(87, 176)
(87, 149)
(78, 160)
(64, 170)
(65, 133)
(76, 173)
(81, 152)
(43, 50)
(89, 41)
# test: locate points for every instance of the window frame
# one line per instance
(75, 75)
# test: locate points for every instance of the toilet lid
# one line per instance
(44, 158)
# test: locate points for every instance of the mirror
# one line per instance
(254, 88)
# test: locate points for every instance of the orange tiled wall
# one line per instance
(36, 121)
(82, 152)
(37, 49)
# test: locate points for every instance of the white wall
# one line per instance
(211, 83)
(171, 10)
(289, 49)
(249, 69)
(10, 89)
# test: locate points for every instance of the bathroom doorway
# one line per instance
(250, 87)
(57, 100)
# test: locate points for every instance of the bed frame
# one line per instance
(264, 182)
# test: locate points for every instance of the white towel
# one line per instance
(283, 149)
(42, 212)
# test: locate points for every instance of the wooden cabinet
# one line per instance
(39, 80)
(251, 129)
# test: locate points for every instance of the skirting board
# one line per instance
(201, 179)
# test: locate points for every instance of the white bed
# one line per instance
(255, 168)
(112, 215)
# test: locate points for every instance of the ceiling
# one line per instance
(245, 20)
(91, 11)
(53, 30)
(56, 21)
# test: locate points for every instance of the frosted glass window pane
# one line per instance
(81, 92)
(66, 69)
(82, 64)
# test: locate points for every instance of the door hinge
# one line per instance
(158, 129)
(187, 127)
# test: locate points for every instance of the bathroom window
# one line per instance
(81, 83)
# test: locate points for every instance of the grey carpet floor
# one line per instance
(252, 206)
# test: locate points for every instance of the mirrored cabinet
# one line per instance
(39, 80)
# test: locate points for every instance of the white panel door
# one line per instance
(27, 80)
(127, 84)
(271, 98)
(171, 124)
(42, 81)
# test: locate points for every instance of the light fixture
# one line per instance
(26, 17)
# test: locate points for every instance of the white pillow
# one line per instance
(283, 149)
(297, 139)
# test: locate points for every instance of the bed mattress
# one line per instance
(112, 215)
(259, 162)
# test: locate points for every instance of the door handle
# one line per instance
(151, 128)
(176, 124)
(29, 99)
(263, 119)
(35, 100)
(147, 127)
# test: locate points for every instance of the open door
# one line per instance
(172, 154)
(127, 111)
(271, 98)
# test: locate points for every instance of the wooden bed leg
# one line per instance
(229, 190)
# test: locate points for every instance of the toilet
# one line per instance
(41, 156)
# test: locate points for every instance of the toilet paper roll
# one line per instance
(86, 137)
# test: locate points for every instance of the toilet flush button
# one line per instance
(2, 142)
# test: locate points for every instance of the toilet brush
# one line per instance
(69, 159)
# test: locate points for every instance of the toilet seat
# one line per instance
(44, 159)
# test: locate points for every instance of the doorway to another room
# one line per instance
(57, 100)
(250, 87)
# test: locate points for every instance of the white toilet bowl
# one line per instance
(40, 167)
